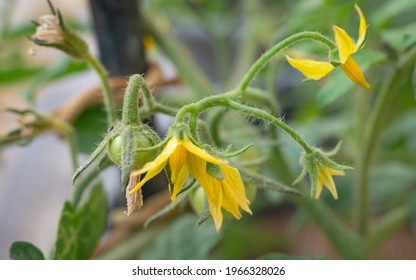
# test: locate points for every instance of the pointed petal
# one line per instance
(211, 186)
(334, 172)
(154, 167)
(179, 170)
(326, 179)
(318, 190)
(353, 71)
(162, 157)
(193, 149)
(346, 46)
(312, 69)
(362, 30)
(233, 186)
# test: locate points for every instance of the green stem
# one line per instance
(83, 183)
(107, 93)
(368, 143)
(267, 56)
(130, 115)
(273, 120)
(225, 100)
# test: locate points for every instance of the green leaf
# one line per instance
(80, 230)
(16, 73)
(22, 250)
(414, 81)
(391, 10)
(183, 241)
(401, 38)
(282, 256)
(90, 128)
(339, 84)
(389, 181)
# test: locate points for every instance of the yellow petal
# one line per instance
(211, 186)
(346, 46)
(353, 71)
(362, 31)
(327, 181)
(312, 69)
(179, 171)
(193, 149)
(234, 191)
(154, 167)
(318, 190)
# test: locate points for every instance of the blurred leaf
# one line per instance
(282, 256)
(390, 181)
(339, 84)
(182, 241)
(80, 230)
(414, 81)
(21, 250)
(62, 68)
(383, 14)
(400, 136)
(90, 128)
(16, 73)
(401, 38)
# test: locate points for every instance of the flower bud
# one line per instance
(198, 201)
(144, 137)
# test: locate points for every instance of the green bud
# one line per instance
(198, 201)
(143, 137)
(114, 150)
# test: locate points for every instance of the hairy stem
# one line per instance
(107, 93)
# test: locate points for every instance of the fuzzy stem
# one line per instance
(225, 101)
(267, 56)
(107, 93)
(130, 115)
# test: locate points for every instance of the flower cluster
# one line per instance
(185, 158)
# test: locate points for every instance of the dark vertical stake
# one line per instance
(119, 35)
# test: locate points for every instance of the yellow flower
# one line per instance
(325, 179)
(346, 48)
(186, 158)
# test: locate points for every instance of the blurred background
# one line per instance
(220, 39)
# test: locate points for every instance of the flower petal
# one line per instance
(154, 167)
(327, 181)
(362, 31)
(193, 149)
(353, 71)
(179, 170)
(211, 186)
(318, 190)
(233, 187)
(312, 69)
(346, 46)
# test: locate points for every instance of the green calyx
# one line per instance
(138, 146)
